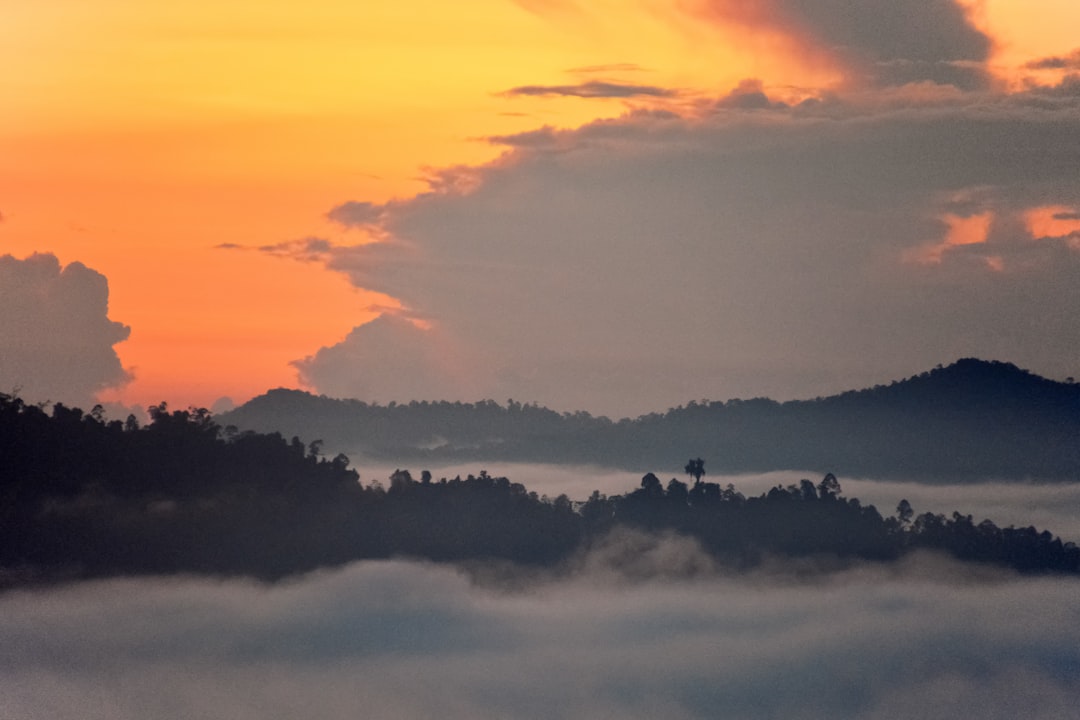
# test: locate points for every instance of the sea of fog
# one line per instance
(640, 628)
(1047, 506)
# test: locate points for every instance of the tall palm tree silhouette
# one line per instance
(695, 468)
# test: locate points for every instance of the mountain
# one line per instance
(82, 497)
(972, 420)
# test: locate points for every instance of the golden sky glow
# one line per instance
(136, 136)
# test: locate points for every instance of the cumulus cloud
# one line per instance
(631, 264)
(56, 339)
(391, 358)
(928, 638)
(880, 42)
(592, 89)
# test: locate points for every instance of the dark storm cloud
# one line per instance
(632, 264)
(594, 89)
(928, 639)
(56, 339)
(885, 42)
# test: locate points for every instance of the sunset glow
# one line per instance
(139, 138)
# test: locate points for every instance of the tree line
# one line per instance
(973, 420)
(83, 497)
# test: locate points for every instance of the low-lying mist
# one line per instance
(640, 627)
(1047, 506)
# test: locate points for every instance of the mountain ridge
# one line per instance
(972, 419)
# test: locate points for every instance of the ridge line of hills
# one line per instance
(85, 498)
(971, 420)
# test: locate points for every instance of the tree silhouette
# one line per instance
(651, 485)
(83, 497)
(904, 512)
(829, 487)
(695, 468)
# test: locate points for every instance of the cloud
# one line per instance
(928, 639)
(631, 264)
(749, 95)
(308, 249)
(354, 213)
(1056, 62)
(592, 89)
(545, 136)
(390, 358)
(56, 340)
(880, 42)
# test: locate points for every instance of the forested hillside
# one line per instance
(81, 497)
(968, 421)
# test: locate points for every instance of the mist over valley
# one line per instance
(927, 638)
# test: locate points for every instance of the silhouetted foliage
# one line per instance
(695, 468)
(84, 497)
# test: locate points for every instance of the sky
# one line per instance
(609, 206)
(628, 632)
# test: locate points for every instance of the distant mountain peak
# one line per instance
(973, 365)
(988, 374)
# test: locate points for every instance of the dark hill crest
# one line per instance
(970, 380)
(971, 420)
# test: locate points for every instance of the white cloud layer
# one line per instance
(56, 340)
(927, 639)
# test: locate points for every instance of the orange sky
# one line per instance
(136, 136)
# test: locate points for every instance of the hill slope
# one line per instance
(974, 419)
(84, 498)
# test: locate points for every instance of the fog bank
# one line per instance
(923, 638)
